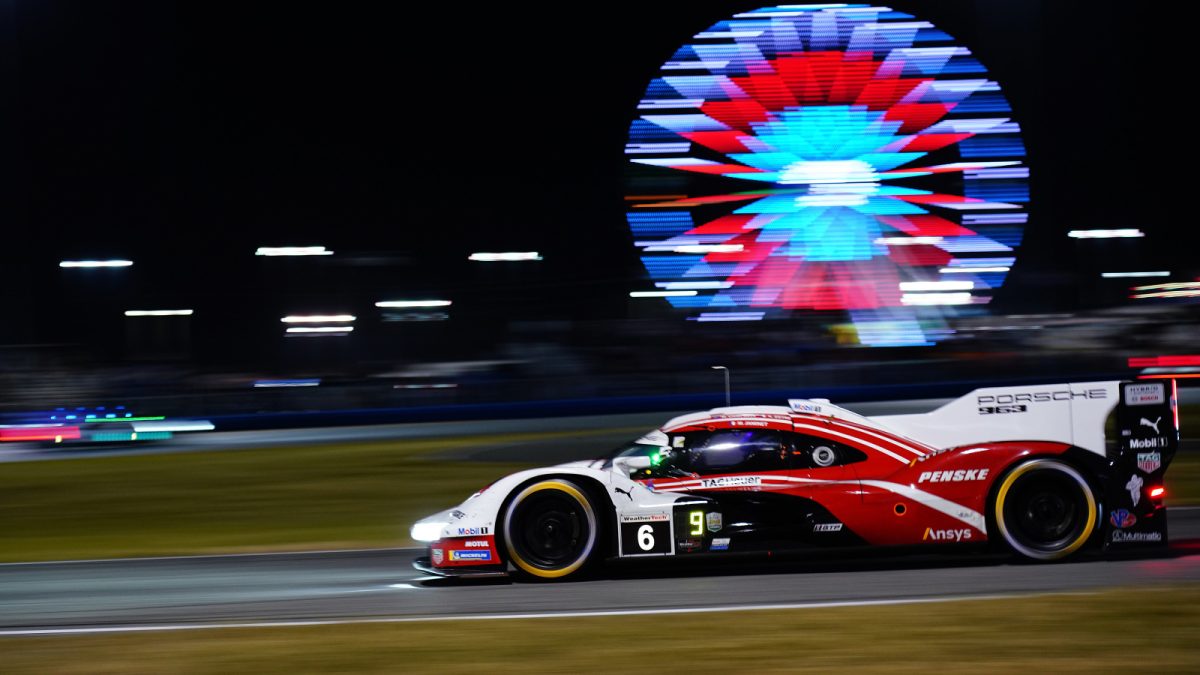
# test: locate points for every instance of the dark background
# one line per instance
(185, 135)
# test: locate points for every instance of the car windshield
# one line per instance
(632, 449)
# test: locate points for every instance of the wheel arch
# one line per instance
(593, 488)
(1087, 464)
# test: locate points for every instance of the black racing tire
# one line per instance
(551, 530)
(1045, 509)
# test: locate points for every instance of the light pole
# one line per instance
(726, 381)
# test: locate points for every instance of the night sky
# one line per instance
(183, 136)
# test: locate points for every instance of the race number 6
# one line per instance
(645, 538)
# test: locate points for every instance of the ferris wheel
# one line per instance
(828, 158)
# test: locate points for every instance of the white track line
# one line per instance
(205, 556)
(92, 630)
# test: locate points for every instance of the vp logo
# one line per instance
(1153, 425)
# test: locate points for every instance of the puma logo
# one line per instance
(624, 492)
(1153, 425)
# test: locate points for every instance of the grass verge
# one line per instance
(287, 498)
(1113, 631)
(312, 497)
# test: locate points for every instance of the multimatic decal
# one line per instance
(1119, 536)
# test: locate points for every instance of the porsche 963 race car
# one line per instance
(1026, 468)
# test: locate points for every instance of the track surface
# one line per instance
(376, 584)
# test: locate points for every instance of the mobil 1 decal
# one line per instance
(1146, 423)
(645, 534)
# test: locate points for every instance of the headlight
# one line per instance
(424, 531)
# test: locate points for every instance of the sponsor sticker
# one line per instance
(1135, 488)
(731, 481)
(1122, 518)
(1123, 536)
(1145, 394)
(689, 545)
(437, 556)
(472, 531)
(956, 476)
(1149, 461)
(1145, 422)
(719, 544)
(827, 527)
(1148, 443)
(456, 556)
(712, 521)
(946, 535)
(645, 518)
(457, 515)
(800, 405)
(477, 543)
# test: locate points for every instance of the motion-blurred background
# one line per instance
(396, 143)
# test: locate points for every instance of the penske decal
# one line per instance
(956, 476)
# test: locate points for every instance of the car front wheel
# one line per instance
(550, 529)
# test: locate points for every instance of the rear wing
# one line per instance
(1072, 413)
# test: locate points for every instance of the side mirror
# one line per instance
(627, 465)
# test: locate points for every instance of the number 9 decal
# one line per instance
(696, 520)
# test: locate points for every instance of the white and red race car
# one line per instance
(1028, 468)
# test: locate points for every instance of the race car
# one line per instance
(92, 426)
(1025, 468)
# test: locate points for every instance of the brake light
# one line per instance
(1157, 492)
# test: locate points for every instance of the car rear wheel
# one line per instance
(550, 529)
(1045, 509)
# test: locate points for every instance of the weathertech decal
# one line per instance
(946, 535)
(645, 518)
(957, 476)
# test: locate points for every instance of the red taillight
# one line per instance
(1157, 492)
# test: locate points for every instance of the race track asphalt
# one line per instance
(98, 596)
